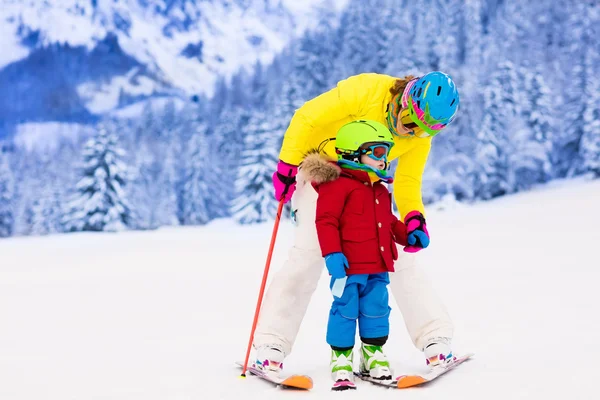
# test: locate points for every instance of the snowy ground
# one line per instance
(163, 315)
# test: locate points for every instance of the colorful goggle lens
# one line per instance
(377, 151)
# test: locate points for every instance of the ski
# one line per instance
(392, 383)
(299, 382)
(406, 381)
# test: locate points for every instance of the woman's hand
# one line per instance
(284, 181)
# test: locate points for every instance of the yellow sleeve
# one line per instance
(341, 102)
(408, 177)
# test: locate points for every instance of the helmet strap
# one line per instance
(354, 157)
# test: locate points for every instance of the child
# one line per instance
(357, 234)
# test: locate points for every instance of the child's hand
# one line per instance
(336, 264)
(418, 237)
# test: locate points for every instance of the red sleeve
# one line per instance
(399, 229)
(400, 234)
(330, 205)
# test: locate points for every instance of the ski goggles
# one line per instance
(377, 151)
(408, 123)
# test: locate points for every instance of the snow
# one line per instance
(164, 314)
(225, 31)
(103, 97)
(11, 50)
(44, 136)
(157, 104)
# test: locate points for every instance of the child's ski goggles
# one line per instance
(377, 151)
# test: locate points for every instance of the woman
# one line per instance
(414, 110)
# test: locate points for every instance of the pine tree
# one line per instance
(357, 38)
(7, 219)
(204, 196)
(570, 43)
(589, 150)
(540, 121)
(589, 147)
(493, 143)
(46, 210)
(196, 190)
(254, 201)
(100, 203)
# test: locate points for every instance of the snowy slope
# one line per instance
(163, 315)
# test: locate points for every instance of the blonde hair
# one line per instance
(400, 84)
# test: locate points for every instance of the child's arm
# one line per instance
(400, 235)
(330, 205)
(399, 229)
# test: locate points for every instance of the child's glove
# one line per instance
(336, 265)
(284, 181)
(418, 237)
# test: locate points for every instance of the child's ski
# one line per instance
(405, 381)
(301, 382)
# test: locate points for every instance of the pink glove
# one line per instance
(416, 229)
(284, 181)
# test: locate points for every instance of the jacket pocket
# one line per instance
(358, 235)
(360, 246)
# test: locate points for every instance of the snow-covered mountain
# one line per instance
(74, 59)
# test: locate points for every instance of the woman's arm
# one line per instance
(408, 177)
(343, 101)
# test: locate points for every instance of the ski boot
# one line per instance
(342, 370)
(374, 363)
(438, 352)
(269, 358)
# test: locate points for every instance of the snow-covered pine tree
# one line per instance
(100, 203)
(254, 201)
(46, 213)
(314, 63)
(589, 148)
(46, 208)
(357, 39)
(538, 114)
(196, 189)
(7, 219)
(204, 189)
(569, 46)
(491, 152)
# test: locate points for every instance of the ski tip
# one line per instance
(408, 381)
(298, 382)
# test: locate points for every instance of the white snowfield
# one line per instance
(164, 315)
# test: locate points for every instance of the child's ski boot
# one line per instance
(374, 363)
(341, 370)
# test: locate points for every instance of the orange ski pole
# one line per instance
(262, 286)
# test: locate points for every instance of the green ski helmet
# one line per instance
(352, 136)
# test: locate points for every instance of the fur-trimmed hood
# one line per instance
(319, 168)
